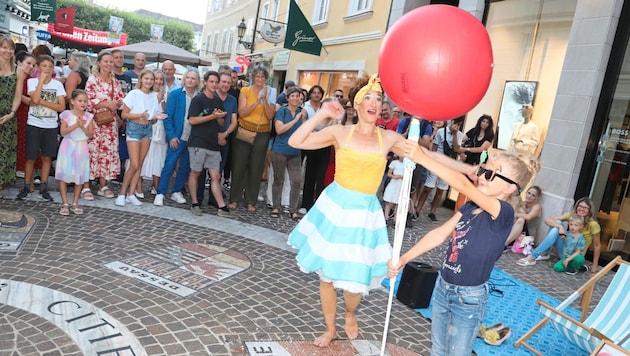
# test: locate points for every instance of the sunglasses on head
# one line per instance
(490, 175)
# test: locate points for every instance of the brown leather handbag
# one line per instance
(105, 116)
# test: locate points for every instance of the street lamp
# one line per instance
(242, 28)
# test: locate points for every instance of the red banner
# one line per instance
(65, 20)
(87, 37)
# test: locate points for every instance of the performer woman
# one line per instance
(343, 237)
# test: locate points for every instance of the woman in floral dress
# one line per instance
(11, 82)
(103, 146)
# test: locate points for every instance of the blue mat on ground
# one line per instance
(516, 307)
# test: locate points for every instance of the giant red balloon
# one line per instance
(436, 62)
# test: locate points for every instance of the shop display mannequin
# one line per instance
(525, 137)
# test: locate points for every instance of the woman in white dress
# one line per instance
(154, 162)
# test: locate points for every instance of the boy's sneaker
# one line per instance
(178, 198)
(120, 200)
(159, 200)
(583, 268)
(571, 271)
(45, 196)
(24, 193)
(196, 210)
(224, 214)
(133, 200)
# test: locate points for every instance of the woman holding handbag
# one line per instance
(105, 95)
(256, 108)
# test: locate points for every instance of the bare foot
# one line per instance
(352, 326)
(325, 339)
(232, 206)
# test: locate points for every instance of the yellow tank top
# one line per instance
(256, 120)
(357, 170)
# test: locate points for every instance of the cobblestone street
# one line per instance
(241, 286)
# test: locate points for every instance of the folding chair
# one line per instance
(609, 320)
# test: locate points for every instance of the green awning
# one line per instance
(300, 35)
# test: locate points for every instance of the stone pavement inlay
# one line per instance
(269, 300)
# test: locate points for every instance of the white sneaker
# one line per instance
(133, 200)
(159, 200)
(153, 191)
(120, 200)
(139, 195)
(178, 197)
(302, 211)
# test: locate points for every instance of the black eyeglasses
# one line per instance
(490, 175)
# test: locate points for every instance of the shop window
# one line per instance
(529, 43)
(330, 81)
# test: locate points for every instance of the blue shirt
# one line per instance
(230, 107)
(572, 243)
(476, 244)
(280, 143)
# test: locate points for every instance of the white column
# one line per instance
(588, 51)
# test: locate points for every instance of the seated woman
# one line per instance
(526, 221)
(591, 231)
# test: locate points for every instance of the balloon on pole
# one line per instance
(436, 62)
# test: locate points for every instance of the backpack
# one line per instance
(448, 150)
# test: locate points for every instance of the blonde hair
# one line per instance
(524, 167)
(142, 74)
(96, 69)
(83, 63)
(577, 218)
(9, 41)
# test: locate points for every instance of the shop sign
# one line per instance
(273, 33)
(42, 35)
(282, 58)
(87, 37)
(43, 10)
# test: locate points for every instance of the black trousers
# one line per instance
(315, 174)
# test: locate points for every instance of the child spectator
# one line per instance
(73, 159)
(47, 99)
(574, 244)
(392, 191)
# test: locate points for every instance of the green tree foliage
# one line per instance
(138, 29)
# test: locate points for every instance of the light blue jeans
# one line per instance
(457, 315)
(552, 238)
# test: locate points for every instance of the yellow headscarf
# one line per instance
(373, 84)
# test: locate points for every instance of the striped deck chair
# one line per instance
(609, 320)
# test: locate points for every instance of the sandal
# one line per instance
(524, 262)
(76, 209)
(64, 209)
(251, 208)
(496, 337)
(275, 213)
(86, 194)
(295, 217)
(105, 192)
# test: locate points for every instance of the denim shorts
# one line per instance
(136, 132)
(457, 315)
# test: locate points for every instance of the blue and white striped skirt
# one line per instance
(344, 239)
